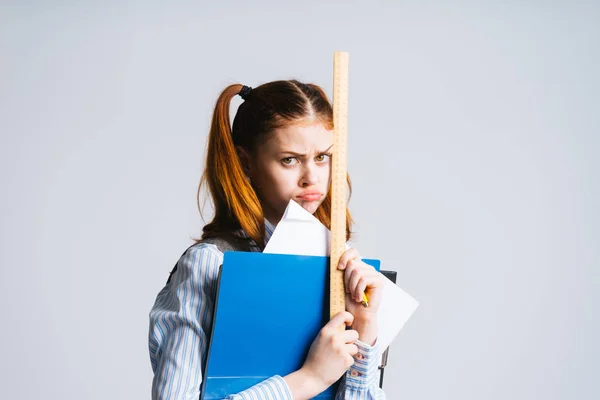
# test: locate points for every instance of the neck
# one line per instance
(272, 217)
(272, 220)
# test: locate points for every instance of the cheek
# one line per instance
(279, 183)
(325, 175)
(285, 183)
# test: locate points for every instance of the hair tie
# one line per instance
(245, 91)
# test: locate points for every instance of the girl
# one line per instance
(279, 148)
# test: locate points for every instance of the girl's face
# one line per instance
(293, 163)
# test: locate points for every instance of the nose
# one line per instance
(309, 175)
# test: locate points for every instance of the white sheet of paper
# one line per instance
(299, 232)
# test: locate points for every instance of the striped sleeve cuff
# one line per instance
(364, 373)
(274, 388)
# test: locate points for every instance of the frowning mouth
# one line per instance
(310, 196)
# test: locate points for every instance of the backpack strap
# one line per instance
(225, 243)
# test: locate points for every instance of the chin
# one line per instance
(310, 206)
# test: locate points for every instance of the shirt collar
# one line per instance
(269, 228)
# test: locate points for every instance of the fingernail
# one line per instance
(340, 266)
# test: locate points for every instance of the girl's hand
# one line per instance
(360, 278)
(330, 356)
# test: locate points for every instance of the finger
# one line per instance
(360, 288)
(349, 336)
(350, 268)
(356, 280)
(369, 279)
(343, 317)
(347, 256)
(351, 349)
(349, 361)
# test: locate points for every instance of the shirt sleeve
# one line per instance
(361, 381)
(179, 320)
(274, 388)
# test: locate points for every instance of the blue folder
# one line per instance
(269, 309)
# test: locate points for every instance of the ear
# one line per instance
(245, 159)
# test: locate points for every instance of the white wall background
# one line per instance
(474, 140)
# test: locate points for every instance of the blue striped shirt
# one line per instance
(182, 315)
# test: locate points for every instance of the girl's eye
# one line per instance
(321, 157)
(289, 161)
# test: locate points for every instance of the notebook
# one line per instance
(269, 309)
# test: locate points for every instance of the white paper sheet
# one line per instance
(299, 232)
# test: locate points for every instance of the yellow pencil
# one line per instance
(365, 300)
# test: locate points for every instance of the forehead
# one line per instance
(301, 138)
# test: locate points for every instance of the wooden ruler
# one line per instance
(338, 182)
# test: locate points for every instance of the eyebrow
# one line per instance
(304, 154)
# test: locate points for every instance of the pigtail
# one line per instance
(236, 204)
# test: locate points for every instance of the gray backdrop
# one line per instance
(474, 135)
